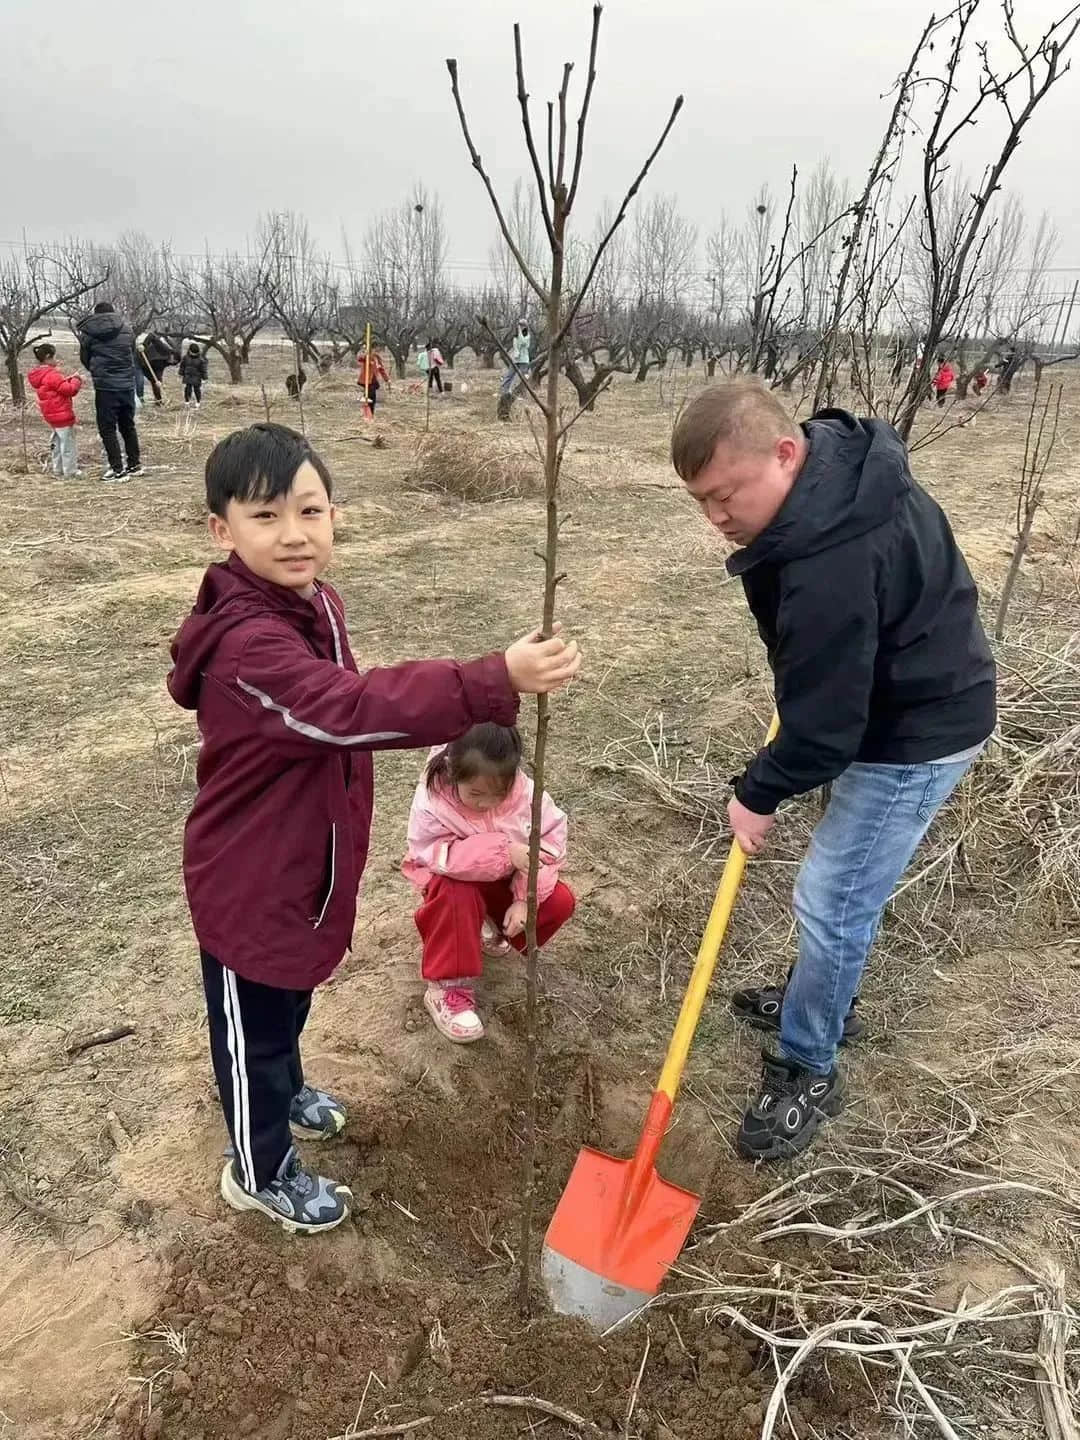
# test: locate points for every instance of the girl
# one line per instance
(469, 857)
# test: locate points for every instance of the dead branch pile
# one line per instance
(472, 467)
(1007, 848)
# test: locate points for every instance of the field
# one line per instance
(133, 1304)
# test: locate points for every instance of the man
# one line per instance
(885, 687)
(107, 350)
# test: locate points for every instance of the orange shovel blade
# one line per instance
(607, 1250)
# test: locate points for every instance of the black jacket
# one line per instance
(107, 350)
(870, 617)
(159, 353)
(193, 368)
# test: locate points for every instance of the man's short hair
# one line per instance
(742, 414)
(44, 352)
(104, 307)
(259, 463)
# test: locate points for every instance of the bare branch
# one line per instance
(583, 117)
(478, 166)
(620, 216)
(526, 125)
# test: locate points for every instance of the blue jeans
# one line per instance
(876, 816)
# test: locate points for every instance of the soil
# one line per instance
(133, 1304)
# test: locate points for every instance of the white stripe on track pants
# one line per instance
(255, 1048)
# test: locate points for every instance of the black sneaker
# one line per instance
(136, 470)
(296, 1198)
(789, 1108)
(760, 1006)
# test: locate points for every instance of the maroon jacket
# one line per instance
(278, 836)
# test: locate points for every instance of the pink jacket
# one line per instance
(447, 839)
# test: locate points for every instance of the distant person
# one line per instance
(944, 380)
(469, 858)
(521, 355)
(193, 371)
(55, 393)
(294, 384)
(371, 374)
(107, 350)
(154, 355)
(980, 380)
(278, 834)
(430, 363)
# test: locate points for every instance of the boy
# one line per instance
(885, 686)
(277, 838)
(55, 392)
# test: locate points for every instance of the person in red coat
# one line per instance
(277, 838)
(943, 380)
(55, 392)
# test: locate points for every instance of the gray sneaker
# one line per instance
(314, 1115)
(296, 1199)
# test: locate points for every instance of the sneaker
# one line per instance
(788, 1111)
(452, 1006)
(135, 470)
(492, 941)
(298, 1200)
(761, 1006)
(114, 475)
(314, 1115)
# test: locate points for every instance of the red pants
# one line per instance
(452, 911)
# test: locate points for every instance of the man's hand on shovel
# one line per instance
(750, 829)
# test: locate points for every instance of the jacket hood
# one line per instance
(105, 326)
(229, 595)
(854, 476)
(36, 377)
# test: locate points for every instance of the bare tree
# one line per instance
(556, 190)
(139, 278)
(952, 230)
(514, 300)
(404, 266)
(224, 300)
(660, 261)
(1042, 429)
(34, 284)
(296, 277)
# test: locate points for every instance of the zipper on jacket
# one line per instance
(333, 871)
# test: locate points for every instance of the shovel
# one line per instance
(619, 1227)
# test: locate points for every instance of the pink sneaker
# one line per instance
(452, 1006)
(492, 941)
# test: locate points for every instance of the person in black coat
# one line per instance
(193, 372)
(885, 688)
(154, 355)
(107, 350)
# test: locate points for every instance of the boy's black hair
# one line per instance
(193, 349)
(104, 307)
(44, 352)
(259, 463)
(493, 751)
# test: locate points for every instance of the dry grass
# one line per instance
(466, 466)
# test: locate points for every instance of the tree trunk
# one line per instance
(487, 358)
(15, 379)
(1019, 551)
(234, 360)
(710, 366)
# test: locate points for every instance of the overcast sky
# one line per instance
(187, 119)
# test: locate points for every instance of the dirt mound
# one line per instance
(408, 1311)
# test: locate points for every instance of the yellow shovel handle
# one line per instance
(705, 964)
